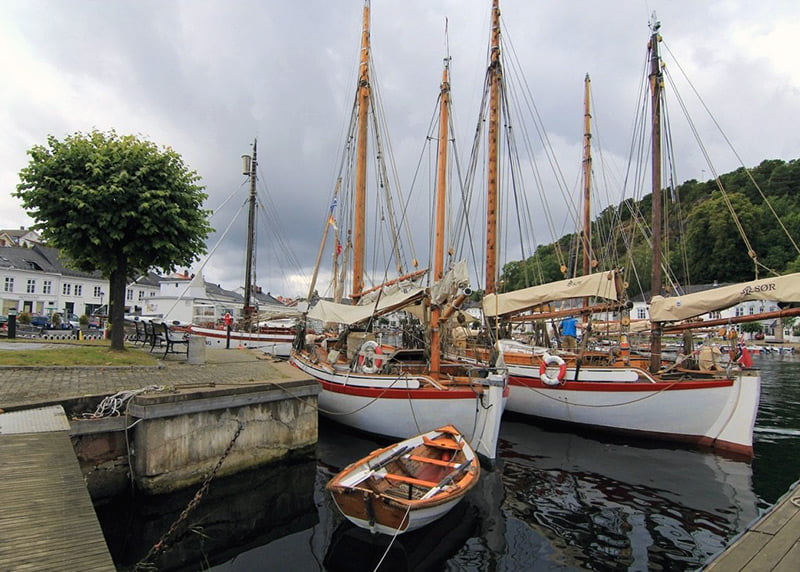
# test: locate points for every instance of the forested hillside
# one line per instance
(703, 241)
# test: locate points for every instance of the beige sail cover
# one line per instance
(600, 285)
(779, 289)
(347, 314)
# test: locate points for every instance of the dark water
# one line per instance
(556, 501)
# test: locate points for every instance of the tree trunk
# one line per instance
(118, 283)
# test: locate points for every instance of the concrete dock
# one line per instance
(47, 519)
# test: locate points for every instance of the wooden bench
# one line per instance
(172, 339)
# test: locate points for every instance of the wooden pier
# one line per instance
(47, 521)
(771, 543)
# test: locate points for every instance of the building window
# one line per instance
(715, 315)
(31, 287)
(8, 286)
(739, 311)
(79, 290)
(141, 295)
(98, 291)
(641, 313)
(66, 289)
(47, 287)
(129, 295)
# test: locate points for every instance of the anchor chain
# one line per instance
(161, 545)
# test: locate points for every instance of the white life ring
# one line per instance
(548, 361)
(370, 357)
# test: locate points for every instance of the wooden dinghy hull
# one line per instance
(407, 485)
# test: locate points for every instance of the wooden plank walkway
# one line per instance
(772, 543)
(47, 521)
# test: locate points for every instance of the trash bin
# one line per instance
(197, 350)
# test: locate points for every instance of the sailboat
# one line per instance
(270, 330)
(388, 390)
(624, 393)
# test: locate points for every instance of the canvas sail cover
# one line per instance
(455, 279)
(349, 314)
(779, 289)
(600, 285)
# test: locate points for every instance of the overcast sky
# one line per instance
(207, 77)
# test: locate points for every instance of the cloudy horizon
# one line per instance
(207, 77)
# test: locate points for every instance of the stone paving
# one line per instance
(22, 387)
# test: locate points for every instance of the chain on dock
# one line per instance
(146, 563)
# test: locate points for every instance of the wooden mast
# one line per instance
(441, 205)
(363, 100)
(249, 308)
(587, 176)
(495, 77)
(656, 84)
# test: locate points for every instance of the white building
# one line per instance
(37, 280)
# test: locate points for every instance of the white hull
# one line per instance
(720, 413)
(277, 343)
(397, 407)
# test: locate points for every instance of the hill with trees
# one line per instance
(744, 224)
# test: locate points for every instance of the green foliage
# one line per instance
(702, 240)
(117, 205)
(752, 327)
(115, 202)
(24, 318)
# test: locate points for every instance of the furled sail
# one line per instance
(600, 285)
(779, 289)
(348, 314)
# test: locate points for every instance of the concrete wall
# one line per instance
(179, 440)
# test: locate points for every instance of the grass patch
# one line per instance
(98, 354)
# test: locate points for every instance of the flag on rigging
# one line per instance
(743, 356)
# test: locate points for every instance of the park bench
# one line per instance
(176, 343)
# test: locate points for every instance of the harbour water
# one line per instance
(558, 500)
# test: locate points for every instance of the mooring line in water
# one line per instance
(161, 545)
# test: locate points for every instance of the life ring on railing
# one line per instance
(546, 363)
(370, 357)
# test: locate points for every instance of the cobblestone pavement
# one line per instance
(28, 386)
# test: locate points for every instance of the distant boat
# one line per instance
(407, 485)
(271, 331)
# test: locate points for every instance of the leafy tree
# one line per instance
(115, 204)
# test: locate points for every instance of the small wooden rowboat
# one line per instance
(407, 485)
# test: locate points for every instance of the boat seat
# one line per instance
(439, 462)
(442, 443)
(409, 480)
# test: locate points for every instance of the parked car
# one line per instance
(3, 322)
(40, 321)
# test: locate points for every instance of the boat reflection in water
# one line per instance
(236, 514)
(586, 503)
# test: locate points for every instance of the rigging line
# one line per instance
(230, 196)
(724, 193)
(205, 261)
(736, 154)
